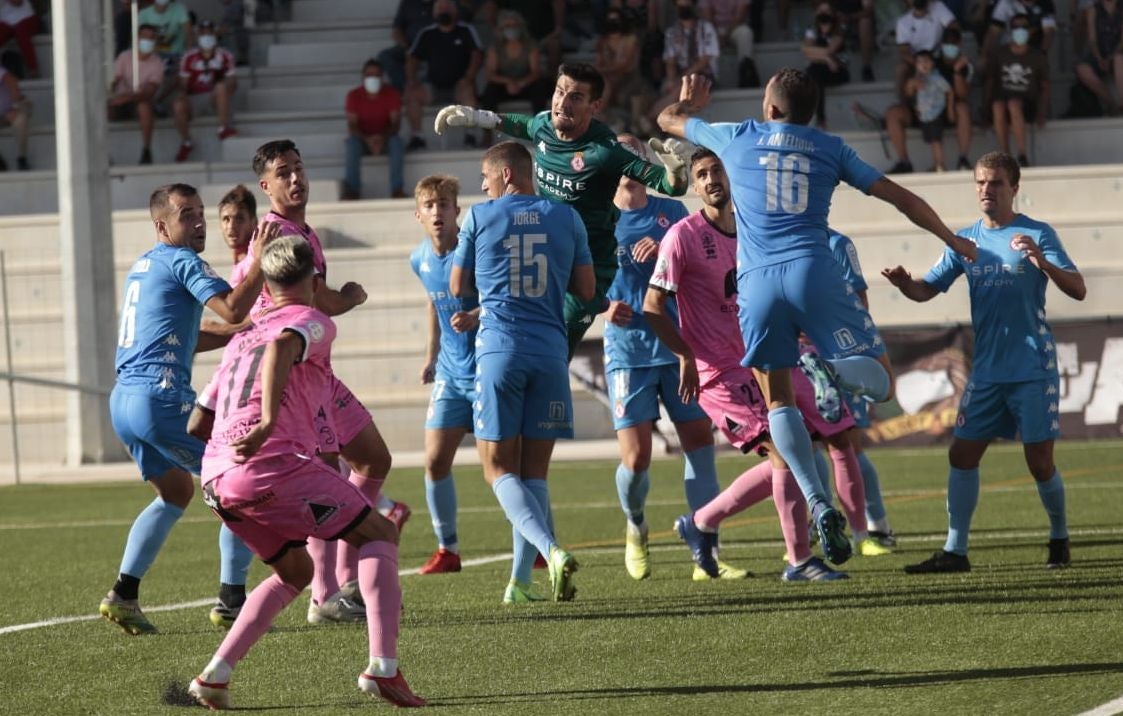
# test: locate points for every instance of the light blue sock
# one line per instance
(632, 489)
(700, 478)
(823, 469)
(1052, 493)
(862, 375)
(523, 511)
(875, 507)
(790, 437)
(963, 496)
(440, 495)
(522, 566)
(233, 556)
(147, 536)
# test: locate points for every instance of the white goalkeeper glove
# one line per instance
(459, 115)
(670, 152)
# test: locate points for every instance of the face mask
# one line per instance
(686, 13)
(372, 84)
(511, 33)
(444, 18)
(146, 46)
(949, 52)
(1019, 35)
(207, 42)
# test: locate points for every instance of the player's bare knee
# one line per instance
(375, 528)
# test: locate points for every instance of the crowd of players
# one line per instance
(738, 316)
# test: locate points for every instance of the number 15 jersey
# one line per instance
(238, 378)
(522, 250)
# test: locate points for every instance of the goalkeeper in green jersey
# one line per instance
(579, 162)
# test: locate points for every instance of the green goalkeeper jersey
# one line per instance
(584, 173)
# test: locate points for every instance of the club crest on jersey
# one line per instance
(316, 331)
(578, 161)
(663, 221)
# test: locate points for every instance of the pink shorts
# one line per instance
(348, 417)
(734, 403)
(276, 503)
(816, 424)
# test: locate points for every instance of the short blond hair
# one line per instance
(287, 260)
(443, 186)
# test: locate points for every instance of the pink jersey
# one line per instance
(238, 398)
(287, 228)
(698, 264)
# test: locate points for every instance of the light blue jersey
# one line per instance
(1013, 342)
(782, 178)
(457, 357)
(842, 248)
(164, 296)
(522, 250)
(636, 345)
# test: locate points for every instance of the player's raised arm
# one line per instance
(693, 98)
(1069, 281)
(922, 214)
(912, 289)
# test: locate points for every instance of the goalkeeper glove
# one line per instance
(458, 115)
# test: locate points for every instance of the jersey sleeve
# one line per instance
(715, 137)
(581, 254)
(519, 126)
(316, 330)
(415, 261)
(465, 254)
(208, 396)
(670, 264)
(846, 255)
(650, 175)
(1054, 251)
(197, 276)
(854, 171)
(943, 274)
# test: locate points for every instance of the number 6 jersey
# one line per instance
(238, 380)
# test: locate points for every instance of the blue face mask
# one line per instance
(1019, 35)
(950, 52)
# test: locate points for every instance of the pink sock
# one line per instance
(791, 506)
(747, 490)
(378, 581)
(369, 486)
(347, 560)
(324, 583)
(262, 606)
(851, 489)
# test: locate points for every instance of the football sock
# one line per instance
(792, 509)
(127, 587)
(753, 486)
(382, 592)
(700, 478)
(347, 556)
(862, 375)
(523, 511)
(324, 554)
(216, 672)
(792, 441)
(147, 536)
(1052, 493)
(440, 496)
(823, 469)
(232, 595)
(875, 506)
(963, 496)
(851, 493)
(262, 606)
(632, 489)
(522, 566)
(234, 557)
(385, 668)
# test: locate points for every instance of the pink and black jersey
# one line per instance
(237, 400)
(288, 228)
(698, 264)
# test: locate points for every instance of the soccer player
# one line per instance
(696, 266)
(165, 292)
(640, 371)
(1014, 386)
(281, 175)
(261, 477)
(783, 173)
(521, 254)
(450, 360)
(579, 162)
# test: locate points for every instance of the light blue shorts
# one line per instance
(450, 403)
(634, 394)
(155, 432)
(1005, 410)
(522, 395)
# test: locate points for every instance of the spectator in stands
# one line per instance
(1078, 21)
(1104, 26)
(206, 81)
(730, 19)
(627, 96)
(690, 47)
(1042, 23)
(920, 28)
(823, 46)
(18, 20)
(543, 19)
(857, 19)
(953, 64)
(128, 98)
(1019, 84)
(453, 53)
(15, 110)
(513, 68)
(928, 96)
(233, 32)
(173, 30)
(374, 116)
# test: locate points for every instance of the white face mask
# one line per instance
(145, 45)
(207, 42)
(372, 84)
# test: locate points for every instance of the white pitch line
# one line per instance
(1109, 709)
